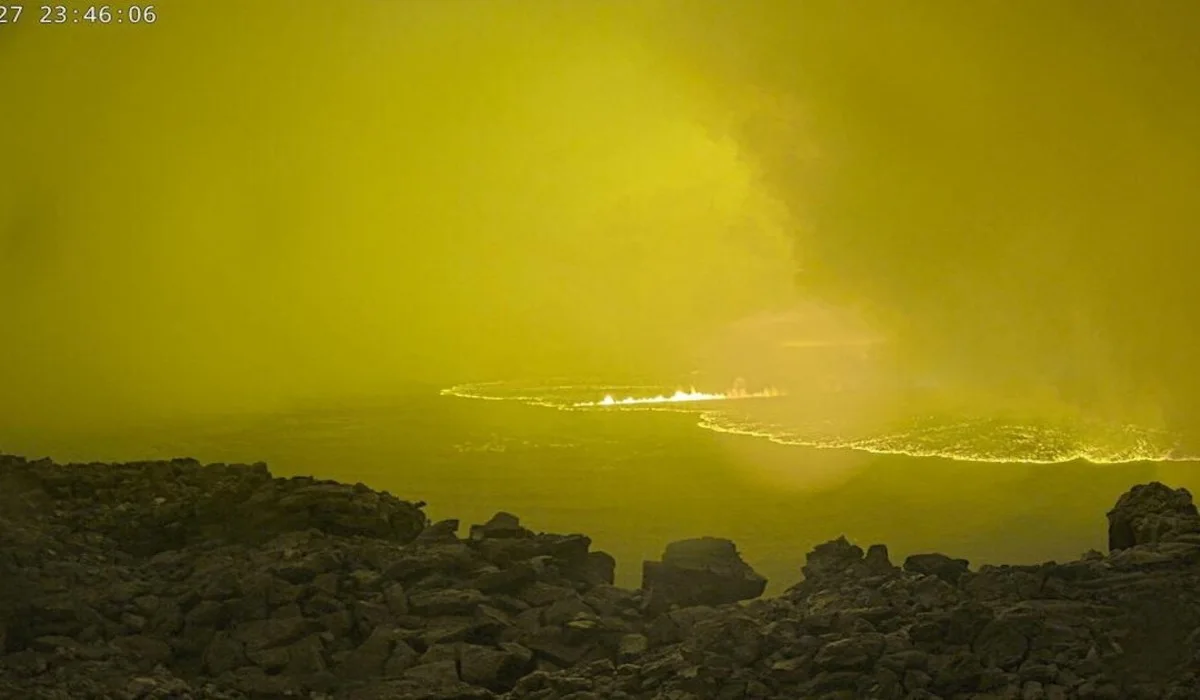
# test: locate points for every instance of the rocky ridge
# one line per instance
(181, 580)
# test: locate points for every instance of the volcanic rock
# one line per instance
(940, 565)
(1151, 513)
(833, 559)
(502, 525)
(702, 571)
(141, 581)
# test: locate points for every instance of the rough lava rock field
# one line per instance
(181, 580)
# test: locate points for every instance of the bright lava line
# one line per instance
(679, 396)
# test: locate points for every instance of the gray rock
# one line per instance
(562, 611)
(703, 571)
(940, 565)
(1002, 644)
(552, 644)
(877, 559)
(271, 660)
(368, 659)
(833, 559)
(402, 658)
(632, 646)
(434, 674)
(415, 563)
(440, 652)
(443, 531)
(224, 653)
(267, 634)
(1151, 513)
(223, 615)
(853, 653)
(207, 613)
(446, 602)
(496, 669)
(397, 599)
(501, 526)
(339, 623)
(507, 580)
(306, 657)
(447, 630)
(327, 583)
(369, 614)
(146, 648)
(601, 568)
(539, 594)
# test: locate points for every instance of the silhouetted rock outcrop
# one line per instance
(174, 579)
(701, 571)
(1122, 626)
(177, 580)
(1151, 513)
(940, 565)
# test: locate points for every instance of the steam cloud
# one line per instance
(1007, 186)
(210, 214)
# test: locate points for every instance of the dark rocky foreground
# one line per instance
(177, 580)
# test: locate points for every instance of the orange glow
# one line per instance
(681, 396)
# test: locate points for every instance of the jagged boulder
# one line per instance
(946, 568)
(600, 568)
(836, 562)
(834, 558)
(502, 525)
(1150, 513)
(441, 532)
(701, 571)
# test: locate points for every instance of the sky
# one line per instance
(244, 205)
(1008, 187)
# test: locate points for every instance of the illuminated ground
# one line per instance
(771, 415)
(634, 481)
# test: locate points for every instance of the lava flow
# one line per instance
(681, 396)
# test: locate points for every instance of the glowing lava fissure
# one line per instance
(958, 439)
(972, 441)
(680, 396)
